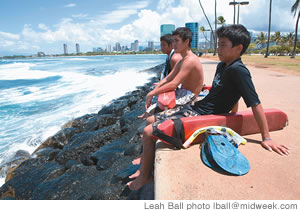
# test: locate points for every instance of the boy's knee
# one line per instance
(150, 120)
(148, 130)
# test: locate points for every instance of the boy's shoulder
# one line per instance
(237, 64)
(192, 59)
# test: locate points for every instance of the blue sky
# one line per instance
(29, 26)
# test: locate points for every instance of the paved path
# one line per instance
(180, 174)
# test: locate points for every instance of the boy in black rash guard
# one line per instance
(232, 81)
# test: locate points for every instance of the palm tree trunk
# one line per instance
(234, 12)
(268, 42)
(296, 32)
(215, 46)
(212, 31)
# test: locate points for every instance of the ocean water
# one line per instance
(39, 95)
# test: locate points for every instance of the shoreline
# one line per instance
(66, 56)
(89, 144)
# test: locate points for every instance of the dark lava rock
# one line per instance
(115, 108)
(79, 183)
(87, 142)
(133, 150)
(19, 157)
(108, 154)
(60, 139)
(123, 175)
(28, 176)
(90, 158)
(47, 153)
(86, 160)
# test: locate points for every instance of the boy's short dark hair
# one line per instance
(167, 38)
(184, 33)
(237, 34)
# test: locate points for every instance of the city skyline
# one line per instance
(34, 26)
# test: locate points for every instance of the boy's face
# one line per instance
(226, 52)
(165, 48)
(179, 44)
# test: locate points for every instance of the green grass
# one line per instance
(279, 63)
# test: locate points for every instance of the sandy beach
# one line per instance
(271, 176)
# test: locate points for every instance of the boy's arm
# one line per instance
(163, 85)
(177, 76)
(235, 108)
(267, 142)
(174, 59)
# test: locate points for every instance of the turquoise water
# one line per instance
(39, 95)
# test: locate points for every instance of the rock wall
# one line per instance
(89, 158)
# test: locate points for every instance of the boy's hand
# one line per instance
(148, 100)
(271, 145)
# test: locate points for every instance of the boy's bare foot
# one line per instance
(135, 175)
(137, 161)
(139, 182)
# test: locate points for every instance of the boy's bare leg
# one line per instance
(150, 120)
(145, 176)
(138, 160)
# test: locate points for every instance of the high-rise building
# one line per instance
(77, 48)
(136, 45)
(65, 49)
(108, 48)
(166, 29)
(194, 27)
(132, 46)
(151, 45)
(118, 46)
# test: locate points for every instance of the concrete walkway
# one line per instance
(181, 175)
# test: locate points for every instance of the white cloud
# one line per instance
(6, 43)
(42, 26)
(80, 16)
(5, 35)
(165, 4)
(97, 31)
(137, 5)
(116, 16)
(70, 5)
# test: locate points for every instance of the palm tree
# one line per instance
(289, 39)
(202, 29)
(221, 20)
(268, 42)
(294, 9)
(212, 31)
(261, 39)
(277, 38)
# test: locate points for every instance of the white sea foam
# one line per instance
(100, 90)
(43, 108)
(79, 59)
(17, 71)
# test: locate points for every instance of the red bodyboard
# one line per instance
(243, 123)
(167, 100)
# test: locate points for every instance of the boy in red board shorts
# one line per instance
(232, 81)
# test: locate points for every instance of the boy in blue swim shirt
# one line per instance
(231, 82)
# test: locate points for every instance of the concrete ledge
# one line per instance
(181, 175)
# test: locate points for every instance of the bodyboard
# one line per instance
(243, 123)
